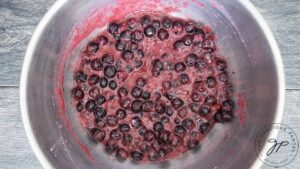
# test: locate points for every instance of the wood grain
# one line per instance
(15, 151)
(20, 17)
(283, 17)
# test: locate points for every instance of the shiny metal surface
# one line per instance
(243, 38)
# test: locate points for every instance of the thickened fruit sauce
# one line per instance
(150, 87)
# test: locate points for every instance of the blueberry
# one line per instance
(133, 46)
(179, 44)
(153, 156)
(210, 100)
(136, 122)
(203, 127)
(195, 107)
(102, 41)
(200, 63)
(100, 100)
(177, 120)
(180, 129)
(157, 65)
(96, 64)
(99, 113)
(208, 44)
(121, 113)
(188, 123)
(169, 111)
(221, 65)
(184, 78)
(77, 93)
(190, 60)
(167, 85)
(158, 126)
(180, 67)
(196, 97)
(90, 105)
(142, 131)
(126, 139)
(141, 82)
(160, 107)
(98, 134)
(93, 80)
(92, 47)
(103, 82)
(112, 84)
(211, 82)
(80, 77)
(127, 55)
(170, 96)
(137, 35)
(204, 110)
(162, 152)
(112, 28)
(149, 136)
(177, 27)
(136, 92)
(162, 34)
(107, 59)
(150, 31)
(190, 27)
(167, 23)
(187, 40)
(110, 147)
(112, 120)
(115, 135)
(125, 35)
(192, 144)
(120, 46)
(122, 91)
(147, 106)
(145, 21)
(79, 107)
(164, 137)
(223, 77)
(156, 23)
(177, 103)
(165, 120)
(131, 24)
(121, 154)
(137, 156)
(110, 71)
(227, 116)
(137, 106)
(125, 103)
(124, 128)
(140, 53)
(228, 105)
(146, 95)
(175, 140)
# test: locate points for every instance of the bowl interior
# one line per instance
(240, 39)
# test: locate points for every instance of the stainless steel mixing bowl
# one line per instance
(243, 39)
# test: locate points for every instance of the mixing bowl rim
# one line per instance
(59, 4)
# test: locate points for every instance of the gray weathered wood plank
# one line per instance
(283, 17)
(20, 17)
(15, 152)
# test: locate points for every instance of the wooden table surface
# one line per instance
(18, 20)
